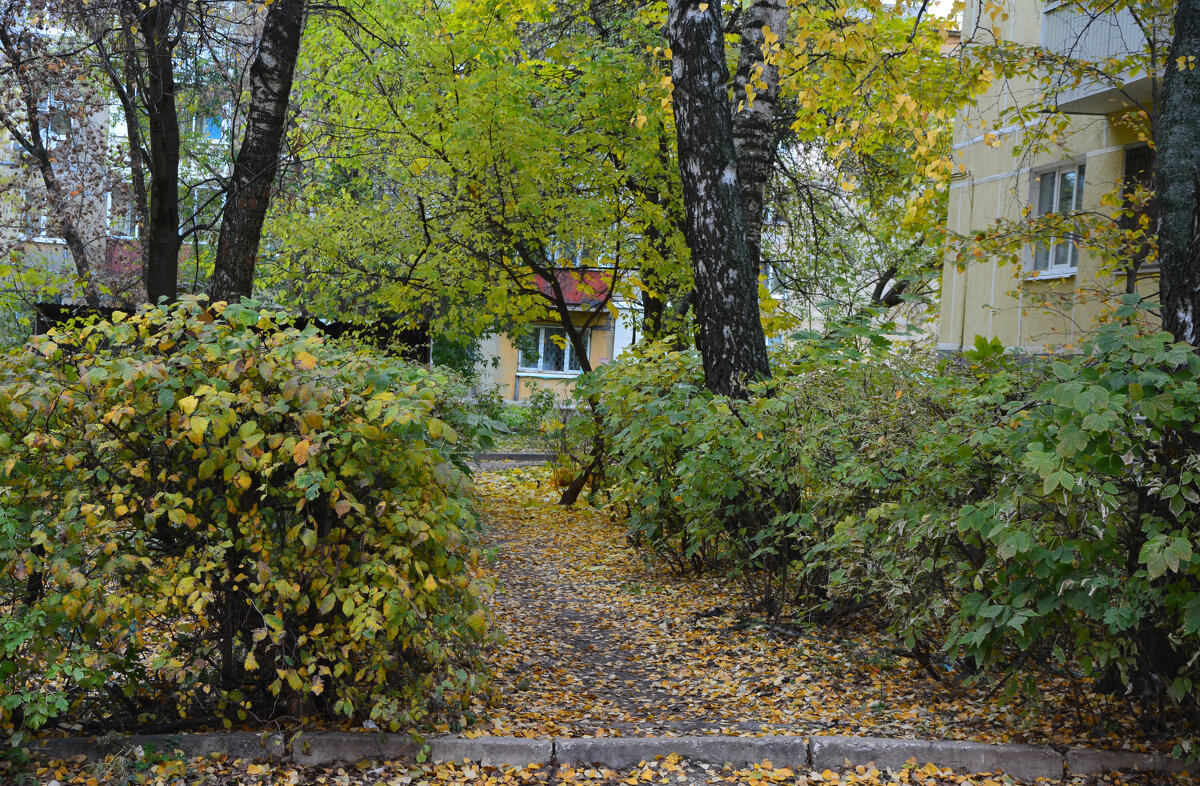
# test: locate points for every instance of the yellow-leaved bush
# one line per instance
(205, 513)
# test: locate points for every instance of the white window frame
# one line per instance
(542, 332)
(1060, 258)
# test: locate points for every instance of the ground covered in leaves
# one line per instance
(137, 768)
(598, 642)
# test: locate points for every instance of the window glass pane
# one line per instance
(60, 122)
(1046, 194)
(212, 128)
(1066, 189)
(553, 354)
(1079, 189)
(1062, 254)
(1041, 258)
(528, 359)
(573, 360)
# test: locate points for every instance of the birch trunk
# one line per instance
(1176, 175)
(258, 158)
(754, 120)
(730, 335)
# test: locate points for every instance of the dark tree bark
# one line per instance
(754, 122)
(730, 335)
(1176, 180)
(257, 160)
(162, 244)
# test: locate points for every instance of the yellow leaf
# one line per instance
(704, 6)
(257, 769)
(430, 583)
(305, 360)
(188, 404)
(300, 452)
(250, 664)
(198, 426)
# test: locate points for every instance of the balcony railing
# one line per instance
(1083, 34)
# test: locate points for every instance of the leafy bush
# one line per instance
(1036, 514)
(207, 514)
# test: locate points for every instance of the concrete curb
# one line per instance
(620, 752)
(1019, 761)
(817, 753)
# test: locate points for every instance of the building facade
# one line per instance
(1046, 294)
(542, 357)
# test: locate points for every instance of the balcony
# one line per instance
(1082, 34)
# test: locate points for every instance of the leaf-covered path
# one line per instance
(598, 643)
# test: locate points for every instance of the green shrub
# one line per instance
(207, 513)
(1033, 515)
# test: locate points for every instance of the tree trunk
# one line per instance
(754, 121)
(730, 334)
(162, 230)
(258, 158)
(1176, 173)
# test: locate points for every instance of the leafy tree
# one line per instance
(485, 152)
(53, 110)
(859, 197)
(165, 65)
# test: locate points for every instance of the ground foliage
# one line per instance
(599, 642)
(139, 767)
(206, 514)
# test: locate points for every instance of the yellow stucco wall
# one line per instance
(993, 299)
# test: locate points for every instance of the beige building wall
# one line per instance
(1005, 299)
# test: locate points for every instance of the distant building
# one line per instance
(543, 359)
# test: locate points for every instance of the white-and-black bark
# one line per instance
(729, 332)
(1177, 180)
(754, 121)
(257, 160)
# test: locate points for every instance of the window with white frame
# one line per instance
(1059, 191)
(547, 349)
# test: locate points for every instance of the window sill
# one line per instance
(1048, 275)
(535, 374)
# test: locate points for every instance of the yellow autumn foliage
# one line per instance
(204, 512)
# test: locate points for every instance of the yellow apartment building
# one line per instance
(543, 359)
(1050, 295)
